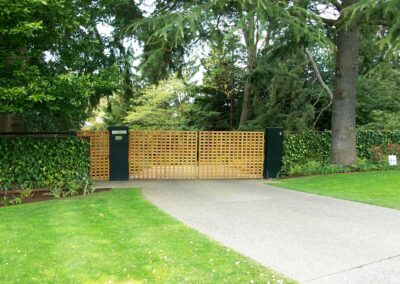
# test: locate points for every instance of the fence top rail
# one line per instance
(202, 131)
(37, 135)
(69, 133)
(160, 130)
(230, 131)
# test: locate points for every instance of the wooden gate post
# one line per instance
(273, 147)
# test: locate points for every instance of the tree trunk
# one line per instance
(251, 46)
(344, 150)
(248, 90)
(231, 111)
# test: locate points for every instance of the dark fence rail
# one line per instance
(65, 133)
(37, 135)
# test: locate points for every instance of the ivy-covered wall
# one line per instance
(43, 162)
(302, 147)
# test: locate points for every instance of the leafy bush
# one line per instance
(380, 153)
(300, 148)
(309, 152)
(318, 168)
(43, 162)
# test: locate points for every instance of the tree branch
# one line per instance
(218, 19)
(320, 113)
(321, 82)
(267, 38)
(257, 32)
(318, 75)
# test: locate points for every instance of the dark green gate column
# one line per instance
(119, 141)
(273, 147)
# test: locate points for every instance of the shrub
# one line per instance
(43, 162)
(309, 152)
(318, 168)
(300, 148)
(380, 153)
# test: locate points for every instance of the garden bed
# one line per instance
(40, 194)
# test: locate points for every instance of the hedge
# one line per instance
(302, 147)
(43, 162)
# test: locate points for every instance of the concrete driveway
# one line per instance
(310, 238)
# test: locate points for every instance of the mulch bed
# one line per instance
(40, 194)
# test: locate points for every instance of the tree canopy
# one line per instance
(54, 62)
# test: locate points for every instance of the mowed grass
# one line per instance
(113, 237)
(377, 188)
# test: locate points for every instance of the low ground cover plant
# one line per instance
(313, 167)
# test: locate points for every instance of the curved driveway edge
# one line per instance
(310, 238)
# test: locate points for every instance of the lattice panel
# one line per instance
(224, 154)
(99, 153)
(162, 154)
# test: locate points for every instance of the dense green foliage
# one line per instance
(384, 14)
(43, 162)
(239, 34)
(160, 107)
(286, 94)
(216, 102)
(377, 188)
(55, 63)
(309, 152)
(117, 237)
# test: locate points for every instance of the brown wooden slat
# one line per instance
(228, 154)
(99, 153)
(160, 154)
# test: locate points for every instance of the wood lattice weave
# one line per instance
(158, 154)
(228, 154)
(99, 153)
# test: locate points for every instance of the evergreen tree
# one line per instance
(176, 26)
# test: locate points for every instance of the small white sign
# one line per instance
(393, 160)
(119, 132)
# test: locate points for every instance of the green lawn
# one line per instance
(378, 188)
(113, 237)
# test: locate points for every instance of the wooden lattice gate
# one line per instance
(231, 154)
(158, 154)
(162, 154)
(195, 154)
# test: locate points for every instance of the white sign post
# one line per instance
(393, 160)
